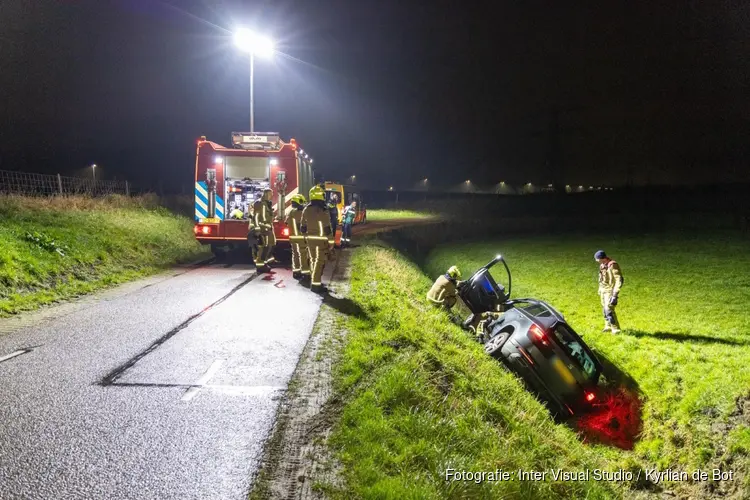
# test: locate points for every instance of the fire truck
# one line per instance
(228, 180)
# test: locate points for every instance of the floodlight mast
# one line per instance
(253, 43)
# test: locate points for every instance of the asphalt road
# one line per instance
(165, 388)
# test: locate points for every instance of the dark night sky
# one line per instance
(389, 91)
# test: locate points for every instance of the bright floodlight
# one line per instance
(253, 43)
(498, 256)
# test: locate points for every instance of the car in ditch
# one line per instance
(533, 340)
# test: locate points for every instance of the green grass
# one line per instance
(419, 397)
(56, 248)
(382, 214)
(686, 342)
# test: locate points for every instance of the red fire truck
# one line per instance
(228, 180)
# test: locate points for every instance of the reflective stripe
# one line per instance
(294, 225)
(321, 228)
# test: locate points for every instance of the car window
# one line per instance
(536, 310)
(575, 350)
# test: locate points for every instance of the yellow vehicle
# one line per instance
(342, 195)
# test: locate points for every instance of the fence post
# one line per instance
(127, 189)
(59, 183)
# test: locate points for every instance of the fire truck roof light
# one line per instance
(301, 151)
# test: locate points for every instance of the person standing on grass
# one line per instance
(349, 214)
(610, 283)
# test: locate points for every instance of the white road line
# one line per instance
(193, 391)
(13, 355)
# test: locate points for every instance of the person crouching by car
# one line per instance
(444, 291)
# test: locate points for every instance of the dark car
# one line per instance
(533, 340)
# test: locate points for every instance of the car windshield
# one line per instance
(572, 346)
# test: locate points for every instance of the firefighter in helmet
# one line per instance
(316, 226)
(610, 283)
(300, 257)
(263, 218)
(444, 291)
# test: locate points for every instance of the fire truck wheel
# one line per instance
(219, 252)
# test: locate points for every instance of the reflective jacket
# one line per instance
(349, 214)
(316, 222)
(610, 277)
(443, 291)
(294, 220)
(263, 214)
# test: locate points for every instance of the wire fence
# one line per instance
(48, 185)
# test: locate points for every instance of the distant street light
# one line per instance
(255, 44)
(93, 170)
(390, 188)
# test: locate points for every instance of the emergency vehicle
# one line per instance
(228, 180)
(343, 195)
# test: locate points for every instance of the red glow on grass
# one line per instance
(615, 421)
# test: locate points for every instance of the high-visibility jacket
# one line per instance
(349, 214)
(610, 277)
(443, 292)
(263, 214)
(294, 221)
(316, 223)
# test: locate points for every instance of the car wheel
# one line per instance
(494, 346)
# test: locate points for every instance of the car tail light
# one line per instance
(285, 231)
(590, 396)
(538, 335)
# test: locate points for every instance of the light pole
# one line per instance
(255, 44)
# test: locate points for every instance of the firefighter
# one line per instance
(316, 226)
(444, 291)
(478, 323)
(350, 213)
(263, 218)
(610, 282)
(300, 256)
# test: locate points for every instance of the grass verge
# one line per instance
(686, 341)
(56, 248)
(420, 398)
(382, 214)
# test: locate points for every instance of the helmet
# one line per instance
(267, 195)
(299, 199)
(600, 255)
(317, 193)
(454, 273)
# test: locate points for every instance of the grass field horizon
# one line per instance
(417, 396)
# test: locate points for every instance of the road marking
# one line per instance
(193, 391)
(14, 354)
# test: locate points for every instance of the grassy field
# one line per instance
(418, 397)
(380, 214)
(686, 341)
(55, 248)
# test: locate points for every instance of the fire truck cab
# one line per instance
(228, 181)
